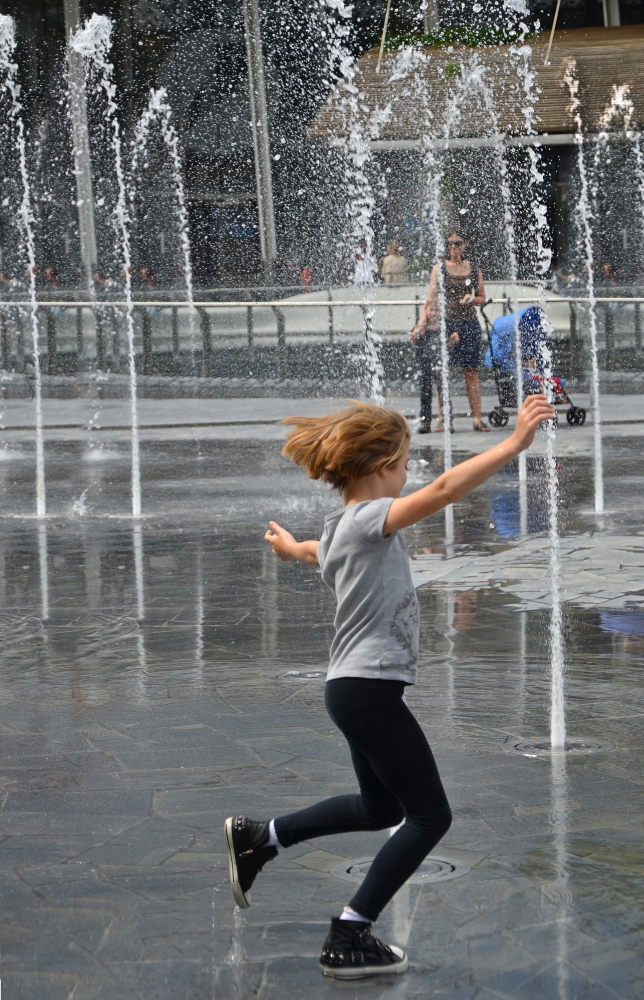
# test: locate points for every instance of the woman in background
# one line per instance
(464, 290)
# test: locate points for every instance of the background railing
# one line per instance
(299, 336)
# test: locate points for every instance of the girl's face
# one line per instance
(396, 477)
(433, 317)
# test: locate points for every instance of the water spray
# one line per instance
(26, 225)
(93, 42)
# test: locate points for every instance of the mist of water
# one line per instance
(522, 56)
(79, 506)
(137, 545)
(557, 656)
(159, 110)
(43, 560)
(93, 42)
(584, 213)
(361, 200)
(26, 225)
(510, 237)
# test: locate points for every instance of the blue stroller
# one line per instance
(500, 358)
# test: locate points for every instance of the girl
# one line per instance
(362, 451)
(464, 289)
(426, 339)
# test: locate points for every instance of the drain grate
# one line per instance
(300, 675)
(432, 870)
(541, 747)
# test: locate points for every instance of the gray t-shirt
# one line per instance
(376, 622)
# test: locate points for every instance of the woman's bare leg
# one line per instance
(473, 389)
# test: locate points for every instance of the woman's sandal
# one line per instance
(480, 426)
(440, 427)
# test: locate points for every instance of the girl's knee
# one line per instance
(446, 819)
(381, 817)
(435, 823)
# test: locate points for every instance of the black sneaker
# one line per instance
(424, 426)
(352, 952)
(248, 852)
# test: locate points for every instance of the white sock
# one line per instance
(349, 914)
(272, 836)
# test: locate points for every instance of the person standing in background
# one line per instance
(464, 290)
(393, 266)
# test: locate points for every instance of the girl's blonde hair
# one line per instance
(347, 444)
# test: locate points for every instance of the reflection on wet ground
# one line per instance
(150, 688)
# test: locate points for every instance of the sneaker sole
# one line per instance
(360, 972)
(243, 902)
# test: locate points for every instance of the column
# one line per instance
(611, 14)
(80, 139)
(431, 17)
(261, 143)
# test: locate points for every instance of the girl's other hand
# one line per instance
(453, 339)
(533, 412)
(284, 545)
(281, 541)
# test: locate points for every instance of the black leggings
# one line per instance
(398, 780)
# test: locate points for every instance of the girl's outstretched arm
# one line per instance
(284, 545)
(462, 479)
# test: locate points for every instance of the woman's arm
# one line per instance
(284, 545)
(479, 298)
(462, 479)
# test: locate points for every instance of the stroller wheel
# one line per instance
(571, 416)
(504, 419)
(496, 418)
(581, 416)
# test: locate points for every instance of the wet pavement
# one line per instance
(161, 675)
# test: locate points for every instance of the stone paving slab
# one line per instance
(596, 571)
(104, 423)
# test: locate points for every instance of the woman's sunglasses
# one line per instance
(455, 243)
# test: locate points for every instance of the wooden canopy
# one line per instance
(418, 87)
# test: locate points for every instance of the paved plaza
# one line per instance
(158, 676)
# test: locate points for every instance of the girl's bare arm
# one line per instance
(432, 291)
(462, 479)
(284, 545)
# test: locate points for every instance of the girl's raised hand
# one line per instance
(533, 412)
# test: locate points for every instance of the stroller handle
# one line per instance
(488, 325)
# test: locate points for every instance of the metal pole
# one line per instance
(431, 17)
(638, 327)
(609, 317)
(261, 143)
(612, 18)
(206, 355)
(175, 339)
(384, 36)
(574, 342)
(52, 343)
(147, 341)
(79, 336)
(80, 138)
(552, 33)
(6, 354)
(249, 327)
